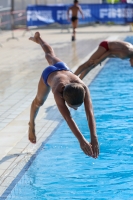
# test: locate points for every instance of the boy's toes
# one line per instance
(37, 34)
(31, 38)
(32, 140)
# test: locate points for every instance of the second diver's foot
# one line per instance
(31, 132)
(73, 38)
(35, 38)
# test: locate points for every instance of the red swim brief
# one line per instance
(104, 44)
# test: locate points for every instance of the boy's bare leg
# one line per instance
(74, 33)
(43, 89)
(74, 25)
(42, 93)
(82, 67)
(49, 52)
(85, 72)
(89, 64)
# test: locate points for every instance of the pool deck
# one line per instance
(21, 64)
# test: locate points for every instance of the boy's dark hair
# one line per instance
(75, 1)
(74, 94)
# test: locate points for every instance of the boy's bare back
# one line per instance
(75, 9)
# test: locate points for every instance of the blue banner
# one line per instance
(40, 15)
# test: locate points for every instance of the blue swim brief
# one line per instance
(56, 67)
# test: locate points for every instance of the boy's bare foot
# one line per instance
(32, 136)
(73, 38)
(35, 38)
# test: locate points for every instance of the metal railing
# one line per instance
(13, 20)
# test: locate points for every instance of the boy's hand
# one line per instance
(86, 147)
(95, 147)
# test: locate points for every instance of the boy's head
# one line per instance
(74, 94)
(75, 1)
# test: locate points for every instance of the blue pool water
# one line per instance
(61, 171)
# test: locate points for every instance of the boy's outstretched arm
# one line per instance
(84, 144)
(68, 13)
(91, 123)
(81, 12)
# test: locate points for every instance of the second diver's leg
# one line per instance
(49, 52)
(42, 93)
(85, 72)
(88, 65)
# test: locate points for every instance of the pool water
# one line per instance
(61, 171)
